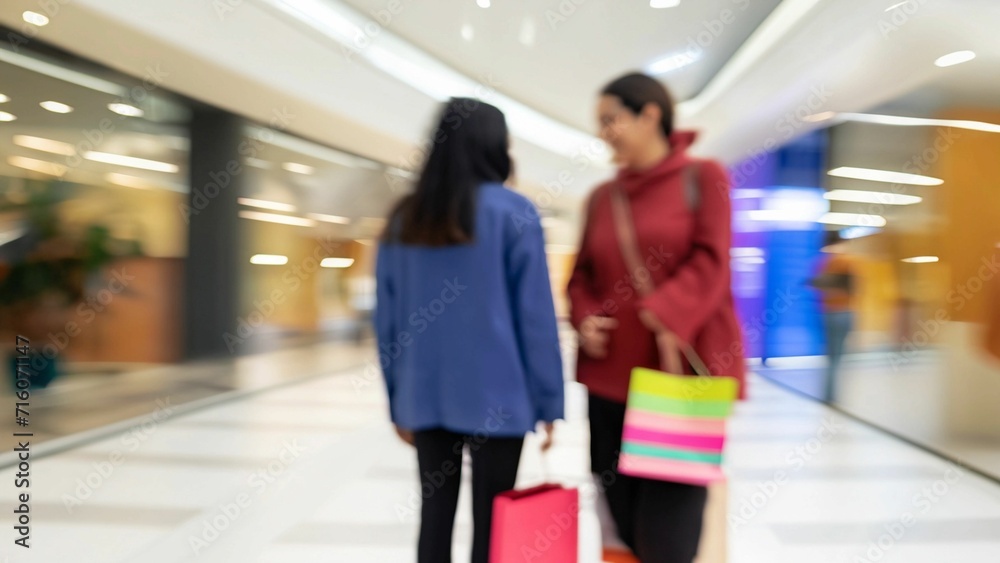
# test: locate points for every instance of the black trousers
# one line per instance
(660, 521)
(494, 470)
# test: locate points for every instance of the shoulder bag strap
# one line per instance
(692, 186)
(643, 282)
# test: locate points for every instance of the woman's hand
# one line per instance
(666, 341)
(594, 335)
(405, 435)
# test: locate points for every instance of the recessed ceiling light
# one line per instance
(664, 3)
(329, 218)
(887, 176)
(673, 62)
(4, 116)
(131, 161)
(859, 196)
(42, 166)
(275, 218)
(822, 116)
(56, 107)
(402, 173)
(4, 99)
(269, 259)
(45, 145)
(853, 220)
(126, 110)
(527, 33)
(127, 181)
(921, 260)
(483, 3)
(858, 232)
(956, 58)
(467, 32)
(34, 18)
(298, 168)
(336, 262)
(264, 204)
(258, 163)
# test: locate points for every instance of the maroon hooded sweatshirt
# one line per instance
(685, 247)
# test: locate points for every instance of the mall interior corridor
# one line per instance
(690, 281)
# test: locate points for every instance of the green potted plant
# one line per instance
(46, 268)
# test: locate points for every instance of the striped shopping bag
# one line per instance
(675, 426)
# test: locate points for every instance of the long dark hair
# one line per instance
(635, 90)
(469, 147)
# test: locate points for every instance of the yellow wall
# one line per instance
(308, 292)
(292, 288)
(971, 172)
(877, 296)
(151, 216)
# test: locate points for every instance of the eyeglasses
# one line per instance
(610, 120)
(610, 124)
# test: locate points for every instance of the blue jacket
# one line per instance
(467, 334)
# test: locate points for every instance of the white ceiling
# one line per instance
(577, 47)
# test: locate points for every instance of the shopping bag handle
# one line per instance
(694, 359)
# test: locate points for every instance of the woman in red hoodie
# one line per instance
(681, 212)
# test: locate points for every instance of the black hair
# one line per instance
(635, 90)
(470, 147)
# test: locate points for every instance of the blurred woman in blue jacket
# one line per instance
(465, 322)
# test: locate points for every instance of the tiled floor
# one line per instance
(908, 400)
(80, 402)
(312, 472)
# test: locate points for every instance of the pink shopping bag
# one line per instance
(537, 525)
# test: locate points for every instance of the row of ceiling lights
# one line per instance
(54, 169)
(870, 197)
(888, 176)
(53, 106)
(40, 20)
(66, 149)
(281, 260)
(309, 220)
(864, 224)
(756, 255)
